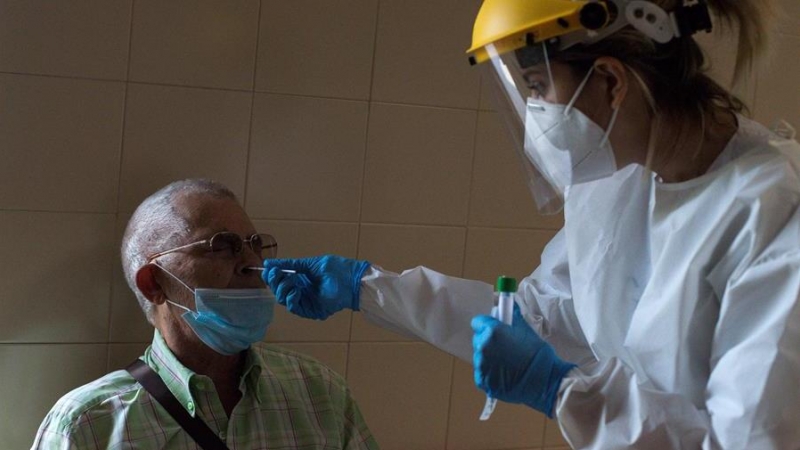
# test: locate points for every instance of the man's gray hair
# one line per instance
(157, 225)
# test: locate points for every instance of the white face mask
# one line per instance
(565, 144)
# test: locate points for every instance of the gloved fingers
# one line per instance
(301, 299)
(274, 276)
(480, 378)
(483, 328)
(285, 290)
(289, 290)
(482, 322)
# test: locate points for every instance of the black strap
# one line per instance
(196, 428)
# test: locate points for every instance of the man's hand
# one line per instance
(319, 287)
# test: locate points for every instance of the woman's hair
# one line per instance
(675, 74)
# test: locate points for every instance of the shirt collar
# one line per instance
(181, 380)
(254, 365)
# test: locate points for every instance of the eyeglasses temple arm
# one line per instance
(152, 257)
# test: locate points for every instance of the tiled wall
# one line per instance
(347, 126)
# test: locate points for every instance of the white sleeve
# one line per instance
(752, 394)
(427, 305)
(436, 308)
(545, 300)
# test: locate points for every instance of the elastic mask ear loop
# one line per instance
(655, 125)
(547, 64)
(575, 97)
(578, 91)
(179, 281)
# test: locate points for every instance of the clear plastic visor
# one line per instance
(516, 90)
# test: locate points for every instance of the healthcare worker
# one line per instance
(665, 313)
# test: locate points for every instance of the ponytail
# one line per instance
(750, 18)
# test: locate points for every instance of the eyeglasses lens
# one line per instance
(260, 243)
(265, 244)
(226, 242)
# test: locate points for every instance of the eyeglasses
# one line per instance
(226, 241)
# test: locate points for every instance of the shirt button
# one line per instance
(190, 405)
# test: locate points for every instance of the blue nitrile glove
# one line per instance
(321, 286)
(513, 364)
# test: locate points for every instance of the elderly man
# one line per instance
(186, 253)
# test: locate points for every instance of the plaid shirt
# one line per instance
(289, 401)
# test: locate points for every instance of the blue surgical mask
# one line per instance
(228, 320)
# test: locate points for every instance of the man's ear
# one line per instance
(148, 285)
(616, 75)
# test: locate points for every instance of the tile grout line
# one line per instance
(227, 89)
(119, 183)
(471, 183)
(453, 364)
(252, 110)
(463, 260)
(364, 165)
(306, 221)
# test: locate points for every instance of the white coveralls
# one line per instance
(679, 303)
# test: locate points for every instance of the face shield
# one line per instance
(515, 41)
(558, 145)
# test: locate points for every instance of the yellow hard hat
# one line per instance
(513, 24)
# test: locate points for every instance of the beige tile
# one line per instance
(332, 355)
(511, 426)
(195, 42)
(789, 17)
(553, 439)
(777, 94)
(418, 166)
(173, 133)
(61, 143)
(303, 239)
(487, 91)
(309, 49)
(120, 355)
(495, 252)
(500, 196)
(128, 323)
(38, 376)
(287, 327)
(81, 39)
(401, 247)
(420, 53)
(307, 158)
(56, 276)
(403, 391)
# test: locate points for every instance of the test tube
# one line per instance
(504, 312)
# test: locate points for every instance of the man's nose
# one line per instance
(248, 258)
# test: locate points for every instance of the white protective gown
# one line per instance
(679, 303)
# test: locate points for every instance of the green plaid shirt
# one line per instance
(289, 401)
